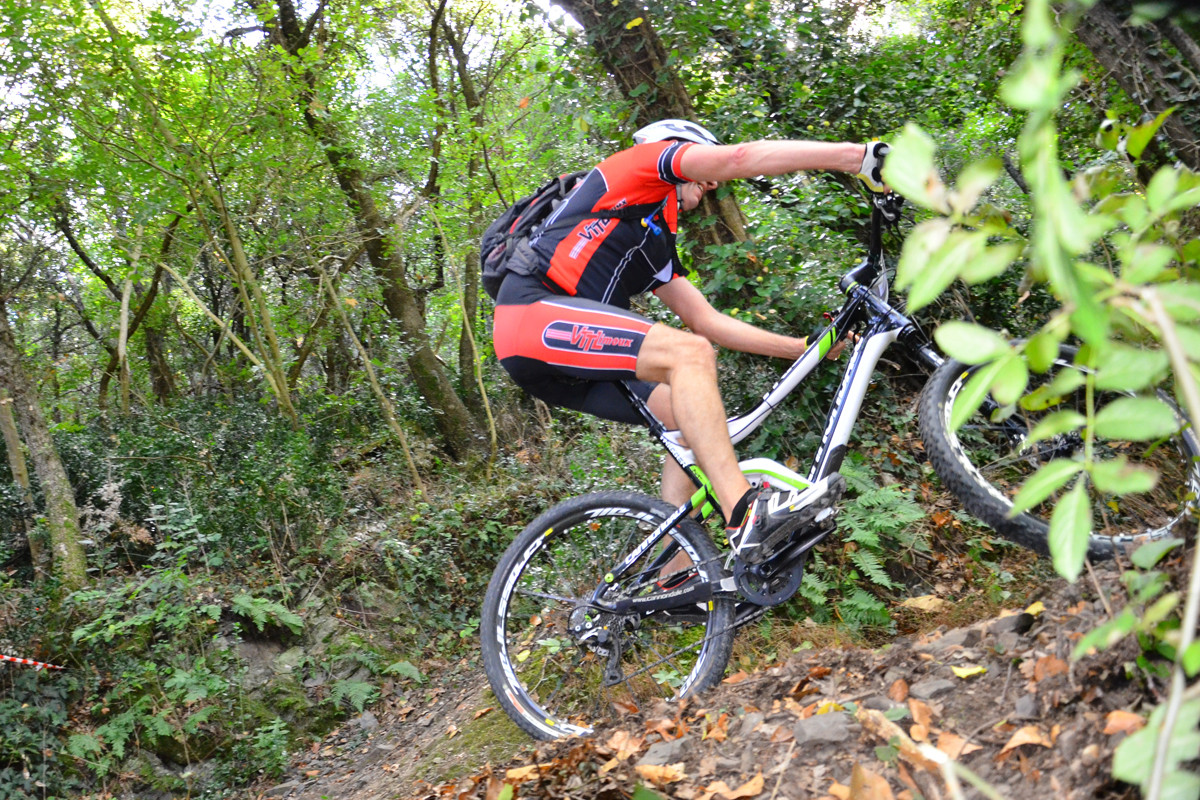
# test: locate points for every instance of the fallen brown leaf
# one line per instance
(866, 785)
(1030, 734)
(736, 677)
(839, 791)
(1048, 666)
(624, 744)
(898, 691)
(521, 774)
(718, 729)
(665, 728)
(751, 788)
(483, 711)
(1123, 722)
(926, 602)
(624, 707)
(661, 775)
(954, 745)
(922, 714)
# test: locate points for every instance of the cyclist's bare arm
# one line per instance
(694, 310)
(730, 162)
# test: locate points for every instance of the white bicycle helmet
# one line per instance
(674, 129)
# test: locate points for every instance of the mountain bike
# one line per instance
(581, 618)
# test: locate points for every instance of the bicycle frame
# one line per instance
(867, 307)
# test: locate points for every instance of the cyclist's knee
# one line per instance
(693, 352)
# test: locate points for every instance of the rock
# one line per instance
(281, 790)
(962, 637)
(1014, 623)
(825, 728)
(930, 688)
(878, 702)
(289, 660)
(1007, 642)
(749, 722)
(367, 721)
(1026, 708)
(662, 753)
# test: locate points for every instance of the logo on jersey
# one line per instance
(586, 339)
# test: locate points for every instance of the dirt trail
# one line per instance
(1001, 696)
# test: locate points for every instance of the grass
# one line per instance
(487, 738)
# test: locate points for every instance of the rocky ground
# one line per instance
(1001, 697)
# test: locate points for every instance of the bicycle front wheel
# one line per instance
(985, 462)
(558, 664)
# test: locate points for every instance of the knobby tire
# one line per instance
(986, 461)
(551, 679)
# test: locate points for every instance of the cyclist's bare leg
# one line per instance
(687, 364)
(676, 486)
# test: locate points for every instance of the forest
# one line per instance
(262, 458)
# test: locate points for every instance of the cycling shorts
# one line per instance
(569, 351)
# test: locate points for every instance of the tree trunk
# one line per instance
(68, 560)
(1142, 72)
(458, 429)
(637, 60)
(162, 380)
(20, 473)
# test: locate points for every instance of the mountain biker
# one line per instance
(566, 334)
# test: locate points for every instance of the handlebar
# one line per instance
(885, 210)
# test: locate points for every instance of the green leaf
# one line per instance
(1191, 659)
(1130, 369)
(1052, 393)
(1141, 135)
(1011, 380)
(1107, 634)
(1043, 483)
(1181, 299)
(1118, 476)
(1042, 348)
(910, 171)
(973, 181)
(919, 247)
(1145, 262)
(990, 263)
(1161, 188)
(959, 249)
(1054, 424)
(1070, 529)
(640, 792)
(971, 397)
(1130, 762)
(970, 343)
(1151, 553)
(1159, 611)
(405, 669)
(1136, 419)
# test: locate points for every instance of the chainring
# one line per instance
(768, 584)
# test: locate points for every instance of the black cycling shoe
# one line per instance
(773, 514)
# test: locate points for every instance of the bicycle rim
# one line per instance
(561, 676)
(993, 449)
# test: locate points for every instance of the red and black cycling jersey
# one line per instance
(613, 260)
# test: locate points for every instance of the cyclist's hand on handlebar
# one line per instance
(871, 172)
(835, 352)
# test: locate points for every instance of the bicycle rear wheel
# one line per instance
(987, 460)
(557, 664)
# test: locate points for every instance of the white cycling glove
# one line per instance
(871, 171)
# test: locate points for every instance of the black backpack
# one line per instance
(505, 244)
